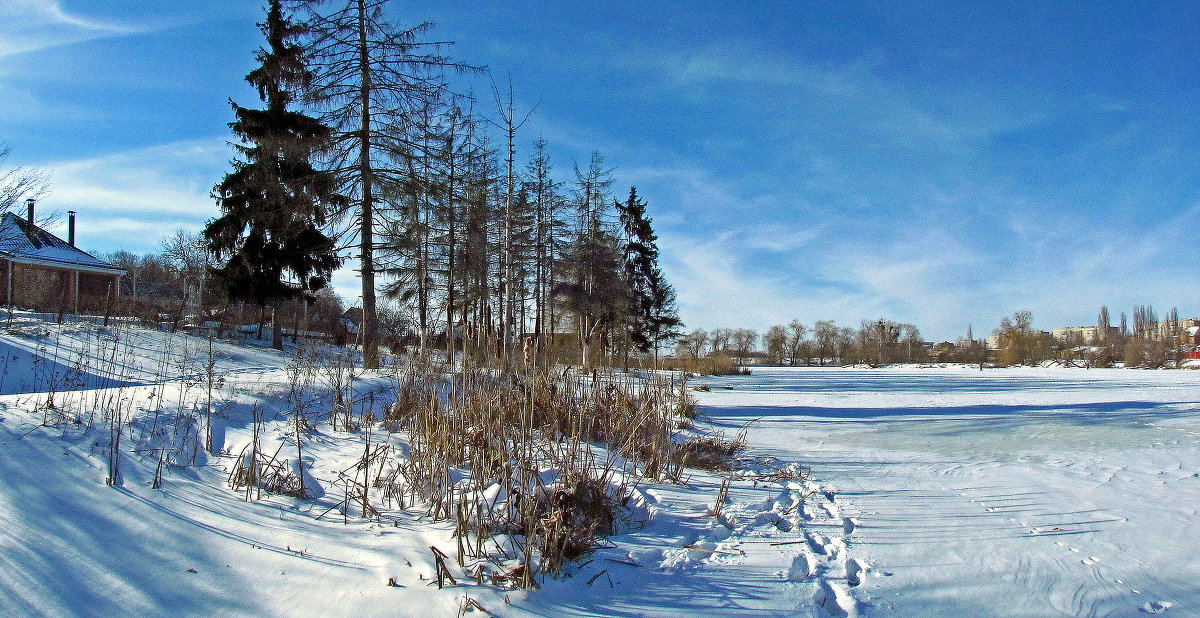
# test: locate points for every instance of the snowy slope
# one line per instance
(922, 491)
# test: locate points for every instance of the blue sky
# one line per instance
(938, 164)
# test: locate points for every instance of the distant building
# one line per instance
(1170, 330)
(1083, 334)
(42, 271)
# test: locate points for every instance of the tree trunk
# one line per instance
(276, 327)
(370, 333)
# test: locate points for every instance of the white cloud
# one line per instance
(129, 200)
(30, 25)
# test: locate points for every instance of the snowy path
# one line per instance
(1011, 492)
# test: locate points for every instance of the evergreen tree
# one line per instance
(593, 290)
(651, 316)
(274, 201)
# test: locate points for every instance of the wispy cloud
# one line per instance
(130, 199)
(30, 25)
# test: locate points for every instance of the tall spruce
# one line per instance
(274, 201)
(651, 313)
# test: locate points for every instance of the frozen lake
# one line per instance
(1002, 492)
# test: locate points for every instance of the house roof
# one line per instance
(23, 243)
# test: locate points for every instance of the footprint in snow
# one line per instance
(849, 525)
(1156, 607)
(803, 566)
(855, 570)
(836, 600)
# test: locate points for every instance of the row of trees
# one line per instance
(1148, 342)
(874, 342)
(399, 170)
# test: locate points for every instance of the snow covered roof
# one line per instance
(23, 243)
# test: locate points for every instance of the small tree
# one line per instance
(794, 345)
(825, 335)
(594, 291)
(742, 343)
(775, 344)
(1020, 344)
(693, 343)
(18, 184)
(189, 253)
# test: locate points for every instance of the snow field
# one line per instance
(1011, 492)
(932, 491)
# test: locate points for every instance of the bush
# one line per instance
(718, 365)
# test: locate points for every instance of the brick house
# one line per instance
(41, 271)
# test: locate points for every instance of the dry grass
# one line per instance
(549, 459)
(710, 452)
(717, 365)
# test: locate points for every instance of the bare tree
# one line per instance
(825, 334)
(774, 343)
(718, 340)
(742, 342)
(693, 343)
(509, 125)
(369, 76)
(794, 344)
(189, 253)
(18, 183)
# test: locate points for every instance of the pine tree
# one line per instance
(274, 201)
(651, 315)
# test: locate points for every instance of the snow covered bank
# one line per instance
(943, 491)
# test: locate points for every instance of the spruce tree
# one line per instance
(274, 202)
(652, 317)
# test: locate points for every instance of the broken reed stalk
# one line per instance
(722, 496)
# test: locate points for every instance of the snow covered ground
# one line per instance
(1023, 492)
(943, 491)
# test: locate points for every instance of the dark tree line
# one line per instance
(395, 169)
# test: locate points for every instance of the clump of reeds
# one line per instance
(713, 365)
(710, 452)
(534, 468)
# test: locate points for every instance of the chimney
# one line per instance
(29, 202)
(71, 227)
